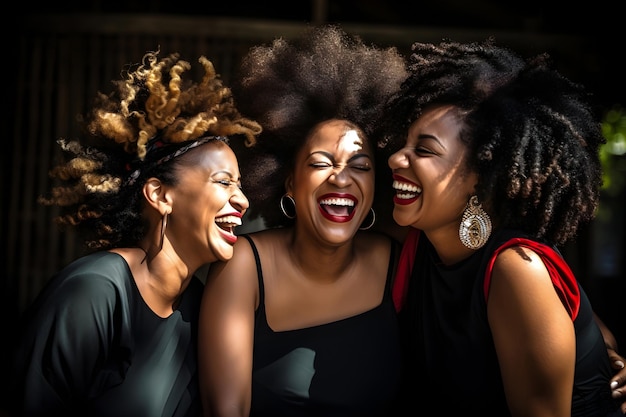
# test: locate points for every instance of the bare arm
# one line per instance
(618, 382)
(226, 333)
(533, 334)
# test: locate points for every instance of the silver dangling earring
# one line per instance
(163, 227)
(475, 227)
(282, 206)
(369, 226)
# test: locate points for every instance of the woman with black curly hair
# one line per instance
(156, 189)
(499, 167)
(300, 322)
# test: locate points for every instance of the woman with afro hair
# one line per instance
(155, 188)
(300, 322)
(495, 165)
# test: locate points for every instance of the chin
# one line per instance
(400, 221)
(224, 255)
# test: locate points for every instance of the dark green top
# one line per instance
(90, 346)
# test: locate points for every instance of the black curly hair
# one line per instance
(289, 87)
(532, 133)
(134, 133)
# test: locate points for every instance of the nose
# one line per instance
(340, 177)
(398, 159)
(239, 200)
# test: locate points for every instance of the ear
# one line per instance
(289, 184)
(155, 193)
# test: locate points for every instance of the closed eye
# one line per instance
(321, 165)
(227, 183)
(364, 168)
(424, 151)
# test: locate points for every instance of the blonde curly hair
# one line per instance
(152, 116)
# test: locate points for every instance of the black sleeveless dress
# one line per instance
(451, 363)
(345, 368)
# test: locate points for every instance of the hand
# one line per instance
(618, 382)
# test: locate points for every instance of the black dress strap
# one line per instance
(259, 271)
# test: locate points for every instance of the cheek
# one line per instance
(464, 179)
(310, 180)
(455, 190)
(216, 200)
(367, 185)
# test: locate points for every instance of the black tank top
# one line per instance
(345, 368)
(446, 332)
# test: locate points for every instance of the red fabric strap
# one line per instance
(560, 273)
(405, 266)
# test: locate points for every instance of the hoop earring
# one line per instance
(475, 227)
(369, 226)
(282, 206)
(163, 227)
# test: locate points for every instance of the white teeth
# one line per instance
(403, 186)
(337, 202)
(410, 190)
(229, 219)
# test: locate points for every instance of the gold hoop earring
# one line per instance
(369, 226)
(282, 206)
(163, 227)
(475, 227)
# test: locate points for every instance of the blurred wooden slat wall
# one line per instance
(59, 62)
(55, 64)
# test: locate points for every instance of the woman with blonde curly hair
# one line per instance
(156, 189)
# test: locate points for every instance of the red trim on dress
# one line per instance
(560, 273)
(405, 266)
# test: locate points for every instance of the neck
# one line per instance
(321, 260)
(159, 280)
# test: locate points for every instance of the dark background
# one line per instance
(557, 26)
(59, 56)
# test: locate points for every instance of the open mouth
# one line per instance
(405, 190)
(228, 223)
(337, 208)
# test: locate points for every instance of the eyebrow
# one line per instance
(228, 173)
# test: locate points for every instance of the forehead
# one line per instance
(337, 136)
(439, 115)
(213, 155)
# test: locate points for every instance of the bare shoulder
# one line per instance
(521, 268)
(518, 258)
(267, 236)
(267, 242)
(373, 245)
(237, 267)
(373, 239)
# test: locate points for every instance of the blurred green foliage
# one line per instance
(613, 153)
